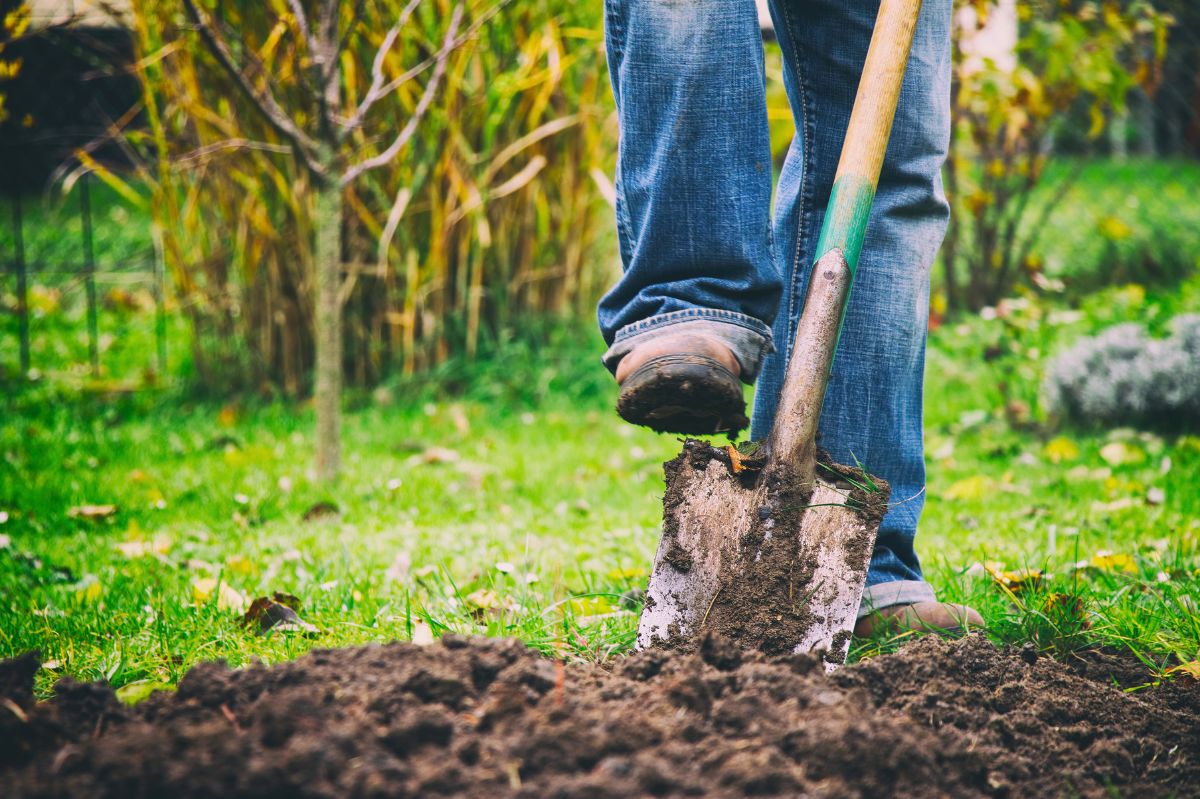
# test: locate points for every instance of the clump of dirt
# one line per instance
(491, 718)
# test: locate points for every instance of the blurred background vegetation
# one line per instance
(156, 257)
(1075, 164)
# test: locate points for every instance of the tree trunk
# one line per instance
(327, 224)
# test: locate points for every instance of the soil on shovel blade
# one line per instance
(487, 718)
(761, 602)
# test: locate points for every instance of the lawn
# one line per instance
(523, 506)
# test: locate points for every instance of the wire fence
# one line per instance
(119, 299)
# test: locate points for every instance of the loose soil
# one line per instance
(491, 718)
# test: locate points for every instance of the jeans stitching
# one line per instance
(662, 320)
(805, 173)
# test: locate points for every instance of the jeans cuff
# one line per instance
(897, 592)
(746, 337)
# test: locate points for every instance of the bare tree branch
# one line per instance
(202, 153)
(263, 102)
(420, 67)
(410, 127)
(302, 23)
(375, 91)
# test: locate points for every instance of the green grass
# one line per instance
(528, 486)
(1120, 221)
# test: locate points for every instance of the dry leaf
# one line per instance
(971, 488)
(92, 512)
(486, 602)
(1190, 670)
(735, 459)
(161, 545)
(321, 510)
(274, 616)
(1120, 453)
(240, 564)
(228, 416)
(228, 597)
(434, 455)
(1112, 561)
(1065, 607)
(1060, 449)
(1018, 580)
(88, 589)
(422, 633)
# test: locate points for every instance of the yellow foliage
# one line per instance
(228, 597)
(1060, 449)
(971, 488)
(1112, 561)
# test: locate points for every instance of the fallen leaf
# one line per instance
(1018, 580)
(486, 602)
(434, 455)
(92, 512)
(1190, 670)
(1114, 561)
(321, 510)
(422, 633)
(971, 488)
(228, 416)
(1124, 503)
(399, 570)
(240, 564)
(1060, 449)
(291, 600)
(735, 459)
(1121, 453)
(140, 690)
(591, 606)
(273, 616)
(88, 589)
(160, 545)
(1065, 608)
(228, 598)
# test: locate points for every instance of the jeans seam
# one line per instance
(714, 314)
(805, 175)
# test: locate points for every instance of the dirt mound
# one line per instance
(487, 718)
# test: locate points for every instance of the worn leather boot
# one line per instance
(686, 383)
(926, 617)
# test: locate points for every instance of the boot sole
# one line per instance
(684, 394)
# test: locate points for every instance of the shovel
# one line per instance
(770, 548)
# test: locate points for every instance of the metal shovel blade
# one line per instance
(772, 570)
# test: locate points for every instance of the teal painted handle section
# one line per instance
(846, 218)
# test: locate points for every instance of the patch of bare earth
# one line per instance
(491, 718)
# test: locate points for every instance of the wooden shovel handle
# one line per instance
(791, 445)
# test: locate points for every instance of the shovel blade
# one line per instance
(716, 526)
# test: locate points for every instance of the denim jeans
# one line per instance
(701, 246)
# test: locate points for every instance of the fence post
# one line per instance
(22, 283)
(89, 265)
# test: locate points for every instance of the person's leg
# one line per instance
(873, 406)
(693, 181)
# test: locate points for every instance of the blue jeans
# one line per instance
(701, 247)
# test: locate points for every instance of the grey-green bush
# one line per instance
(1123, 377)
